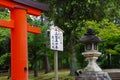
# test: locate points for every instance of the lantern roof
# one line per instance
(90, 37)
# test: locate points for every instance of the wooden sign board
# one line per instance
(56, 38)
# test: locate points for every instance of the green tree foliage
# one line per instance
(3, 59)
(74, 17)
(4, 40)
(110, 34)
(38, 46)
(71, 16)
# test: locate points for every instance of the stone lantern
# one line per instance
(92, 71)
(91, 50)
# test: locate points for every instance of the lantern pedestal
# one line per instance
(92, 57)
(92, 71)
(93, 76)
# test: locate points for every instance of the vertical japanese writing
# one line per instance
(56, 39)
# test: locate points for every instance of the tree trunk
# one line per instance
(67, 63)
(9, 71)
(73, 66)
(47, 64)
(59, 62)
(109, 60)
(35, 66)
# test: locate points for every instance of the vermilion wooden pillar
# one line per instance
(19, 28)
(19, 57)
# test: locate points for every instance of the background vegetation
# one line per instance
(74, 17)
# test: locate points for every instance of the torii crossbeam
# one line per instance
(19, 28)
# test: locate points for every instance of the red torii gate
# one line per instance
(19, 28)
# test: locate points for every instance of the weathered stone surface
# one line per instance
(93, 76)
(114, 75)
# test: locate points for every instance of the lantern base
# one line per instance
(93, 76)
(92, 57)
(92, 65)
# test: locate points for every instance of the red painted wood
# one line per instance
(33, 29)
(10, 4)
(19, 28)
(19, 50)
(7, 24)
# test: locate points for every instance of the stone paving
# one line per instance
(111, 70)
(114, 74)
